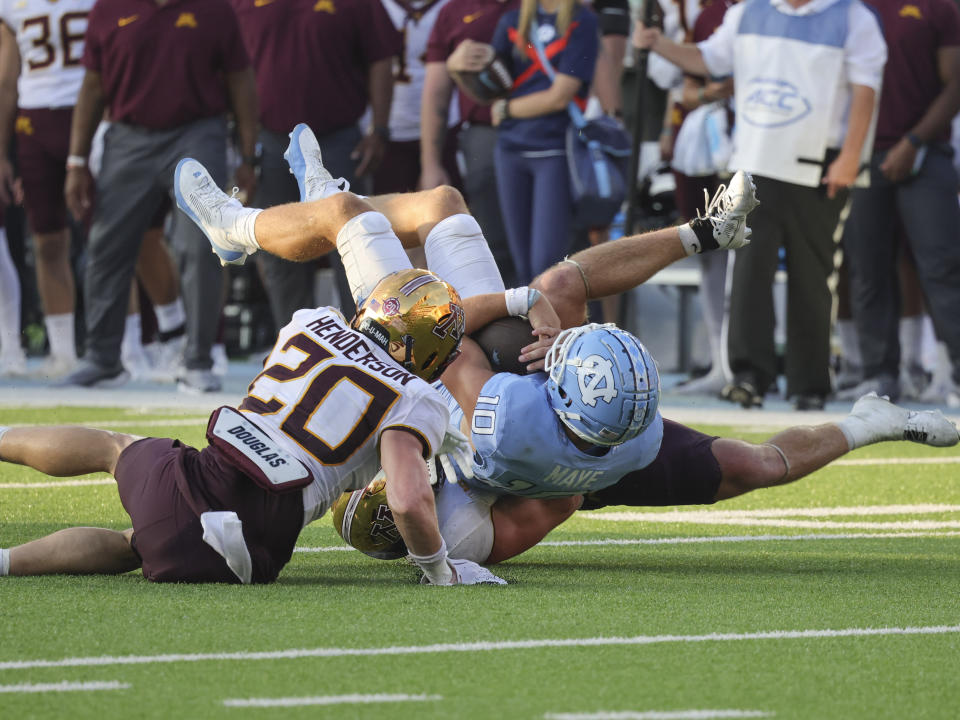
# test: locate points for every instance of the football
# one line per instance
(502, 341)
(364, 521)
(490, 83)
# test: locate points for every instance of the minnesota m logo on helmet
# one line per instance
(417, 318)
(602, 383)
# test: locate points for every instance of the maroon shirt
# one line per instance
(457, 21)
(312, 56)
(163, 66)
(914, 30)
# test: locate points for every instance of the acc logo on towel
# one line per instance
(773, 103)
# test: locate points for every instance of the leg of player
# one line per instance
(65, 452)
(799, 451)
(56, 287)
(615, 267)
(520, 523)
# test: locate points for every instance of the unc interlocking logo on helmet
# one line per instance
(603, 384)
(595, 379)
(417, 318)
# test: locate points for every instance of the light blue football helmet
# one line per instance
(603, 384)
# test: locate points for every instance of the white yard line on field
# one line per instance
(685, 540)
(327, 700)
(491, 646)
(659, 715)
(63, 687)
(56, 484)
(181, 421)
(792, 517)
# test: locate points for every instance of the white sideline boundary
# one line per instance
(491, 646)
(327, 700)
(660, 715)
(64, 687)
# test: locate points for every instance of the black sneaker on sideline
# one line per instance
(743, 390)
(89, 374)
(809, 402)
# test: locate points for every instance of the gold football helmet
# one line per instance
(417, 318)
(363, 519)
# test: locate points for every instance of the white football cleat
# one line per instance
(724, 224)
(214, 212)
(13, 364)
(882, 420)
(306, 165)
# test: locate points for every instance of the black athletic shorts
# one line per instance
(685, 472)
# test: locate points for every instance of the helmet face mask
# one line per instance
(417, 318)
(603, 384)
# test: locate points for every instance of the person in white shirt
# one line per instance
(807, 74)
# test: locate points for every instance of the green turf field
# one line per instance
(835, 597)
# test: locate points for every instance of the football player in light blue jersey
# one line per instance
(582, 426)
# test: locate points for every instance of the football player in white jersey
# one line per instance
(41, 44)
(335, 400)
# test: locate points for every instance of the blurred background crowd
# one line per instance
(841, 109)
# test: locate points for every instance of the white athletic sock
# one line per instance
(370, 251)
(457, 251)
(132, 329)
(4, 562)
(170, 316)
(911, 337)
(871, 420)
(60, 335)
(9, 300)
(849, 342)
(243, 225)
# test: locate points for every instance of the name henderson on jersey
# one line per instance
(353, 347)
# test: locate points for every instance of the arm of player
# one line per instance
(87, 114)
(467, 375)
(9, 72)
(411, 502)
(434, 110)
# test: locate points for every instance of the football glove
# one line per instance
(466, 572)
(455, 452)
(469, 573)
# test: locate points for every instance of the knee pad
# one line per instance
(457, 251)
(370, 251)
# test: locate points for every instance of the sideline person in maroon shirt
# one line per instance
(913, 183)
(319, 63)
(458, 22)
(168, 72)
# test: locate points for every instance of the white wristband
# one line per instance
(520, 300)
(76, 161)
(435, 567)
